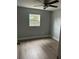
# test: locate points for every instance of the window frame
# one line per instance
(39, 20)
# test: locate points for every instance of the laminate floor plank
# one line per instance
(38, 49)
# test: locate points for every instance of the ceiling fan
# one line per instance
(47, 3)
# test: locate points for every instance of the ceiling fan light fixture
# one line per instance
(47, 3)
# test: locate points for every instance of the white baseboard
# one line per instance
(57, 39)
(33, 37)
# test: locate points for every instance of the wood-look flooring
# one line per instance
(38, 49)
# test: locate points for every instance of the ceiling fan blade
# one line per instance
(53, 2)
(53, 6)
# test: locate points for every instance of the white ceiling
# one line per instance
(35, 4)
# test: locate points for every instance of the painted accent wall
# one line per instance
(23, 28)
(55, 24)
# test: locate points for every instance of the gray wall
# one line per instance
(23, 23)
(55, 24)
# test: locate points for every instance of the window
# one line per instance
(34, 20)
